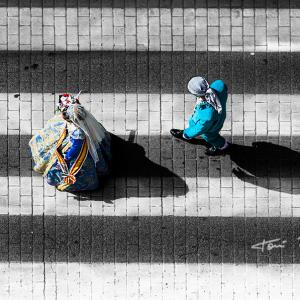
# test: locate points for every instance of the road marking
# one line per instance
(155, 29)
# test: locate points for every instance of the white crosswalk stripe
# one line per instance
(203, 201)
(154, 29)
(135, 281)
(247, 114)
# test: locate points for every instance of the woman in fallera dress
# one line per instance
(73, 150)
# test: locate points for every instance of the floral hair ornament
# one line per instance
(65, 100)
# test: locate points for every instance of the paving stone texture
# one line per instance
(173, 223)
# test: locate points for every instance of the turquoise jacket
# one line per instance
(206, 121)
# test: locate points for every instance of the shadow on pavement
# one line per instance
(129, 160)
(267, 165)
(263, 164)
(134, 175)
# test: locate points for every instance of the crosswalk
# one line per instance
(177, 225)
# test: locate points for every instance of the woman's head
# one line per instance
(198, 86)
(67, 106)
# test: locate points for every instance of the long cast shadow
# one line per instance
(267, 165)
(264, 164)
(129, 160)
(131, 168)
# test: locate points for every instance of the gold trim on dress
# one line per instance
(70, 176)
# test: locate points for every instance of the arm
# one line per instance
(76, 140)
(202, 126)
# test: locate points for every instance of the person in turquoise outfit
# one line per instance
(209, 115)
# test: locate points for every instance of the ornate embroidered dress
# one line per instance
(60, 152)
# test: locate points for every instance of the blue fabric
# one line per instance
(87, 178)
(76, 139)
(206, 122)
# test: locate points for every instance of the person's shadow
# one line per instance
(267, 165)
(264, 164)
(133, 174)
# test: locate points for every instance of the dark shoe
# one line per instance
(213, 151)
(199, 141)
(177, 133)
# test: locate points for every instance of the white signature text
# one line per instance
(269, 245)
